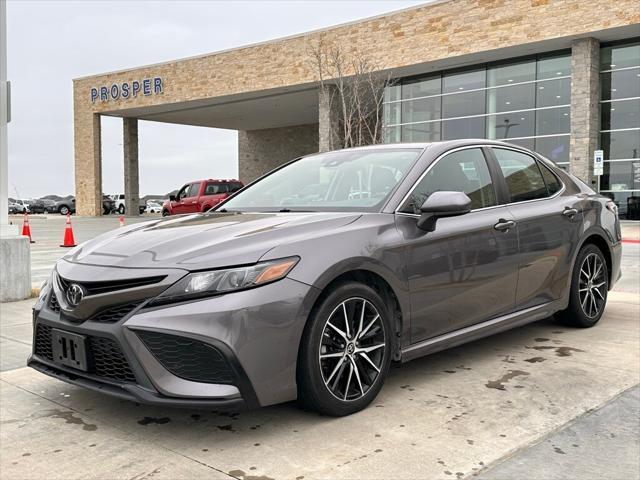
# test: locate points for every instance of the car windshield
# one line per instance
(348, 180)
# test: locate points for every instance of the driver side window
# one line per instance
(183, 192)
(462, 171)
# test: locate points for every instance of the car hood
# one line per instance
(204, 241)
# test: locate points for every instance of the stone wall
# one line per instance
(260, 151)
(431, 32)
(585, 106)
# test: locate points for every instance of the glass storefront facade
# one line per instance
(525, 101)
(620, 126)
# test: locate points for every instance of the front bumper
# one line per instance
(253, 334)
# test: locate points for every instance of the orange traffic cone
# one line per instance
(69, 241)
(26, 229)
(121, 220)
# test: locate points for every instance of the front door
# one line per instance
(180, 206)
(548, 224)
(465, 271)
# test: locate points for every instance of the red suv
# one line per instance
(200, 196)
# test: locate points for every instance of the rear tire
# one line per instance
(589, 288)
(64, 210)
(345, 351)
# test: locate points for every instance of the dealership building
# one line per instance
(561, 77)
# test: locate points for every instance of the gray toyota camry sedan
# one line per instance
(310, 281)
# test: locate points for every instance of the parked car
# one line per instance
(153, 207)
(68, 206)
(276, 294)
(200, 196)
(21, 206)
(16, 208)
(119, 204)
(49, 205)
(36, 206)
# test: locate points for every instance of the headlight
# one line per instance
(204, 284)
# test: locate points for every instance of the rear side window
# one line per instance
(234, 187)
(216, 188)
(522, 174)
(553, 184)
(462, 171)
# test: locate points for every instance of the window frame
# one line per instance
(501, 190)
(503, 182)
(490, 166)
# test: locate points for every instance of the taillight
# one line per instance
(612, 207)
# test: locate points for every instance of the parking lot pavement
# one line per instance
(48, 232)
(498, 407)
(572, 449)
(449, 415)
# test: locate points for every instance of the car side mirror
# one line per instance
(172, 198)
(440, 205)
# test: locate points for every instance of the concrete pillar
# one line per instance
(329, 137)
(88, 160)
(260, 151)
(131, 169)
(585, 107)
(15, 252)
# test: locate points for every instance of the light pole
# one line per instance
(15, 254)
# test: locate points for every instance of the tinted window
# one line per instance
(183, 192)
(216, 188)
(462, 171)
(552, 182)
(522, 174)
(234, 187)
(194, 189)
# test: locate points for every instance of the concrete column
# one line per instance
(88, 160)
(585, 107)
(15, 252)
(260, 151)
(328, 119)
(131, 169)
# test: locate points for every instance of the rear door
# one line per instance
(465, 271)
(548, 225)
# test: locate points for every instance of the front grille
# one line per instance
(43, 342)
(53, 303)
(95, 288)
(115, 314)
(108, 359)
(187, 358)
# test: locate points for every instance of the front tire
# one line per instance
(121, 209)
(345, 351)
(165, 213)
(64, 210)
(589, 288)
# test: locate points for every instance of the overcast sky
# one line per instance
(51, 42)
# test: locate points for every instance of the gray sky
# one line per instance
(52, 42)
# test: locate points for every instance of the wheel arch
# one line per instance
(388, 287)
(595, 237)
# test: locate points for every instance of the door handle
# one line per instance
(569, 212)
(504, 225)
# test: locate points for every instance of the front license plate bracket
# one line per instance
(69, 349)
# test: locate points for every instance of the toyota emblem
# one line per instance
(75, 293)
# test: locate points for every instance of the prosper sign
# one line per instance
(147, 86)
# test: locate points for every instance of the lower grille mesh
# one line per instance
(187, 358)
(108, 359)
